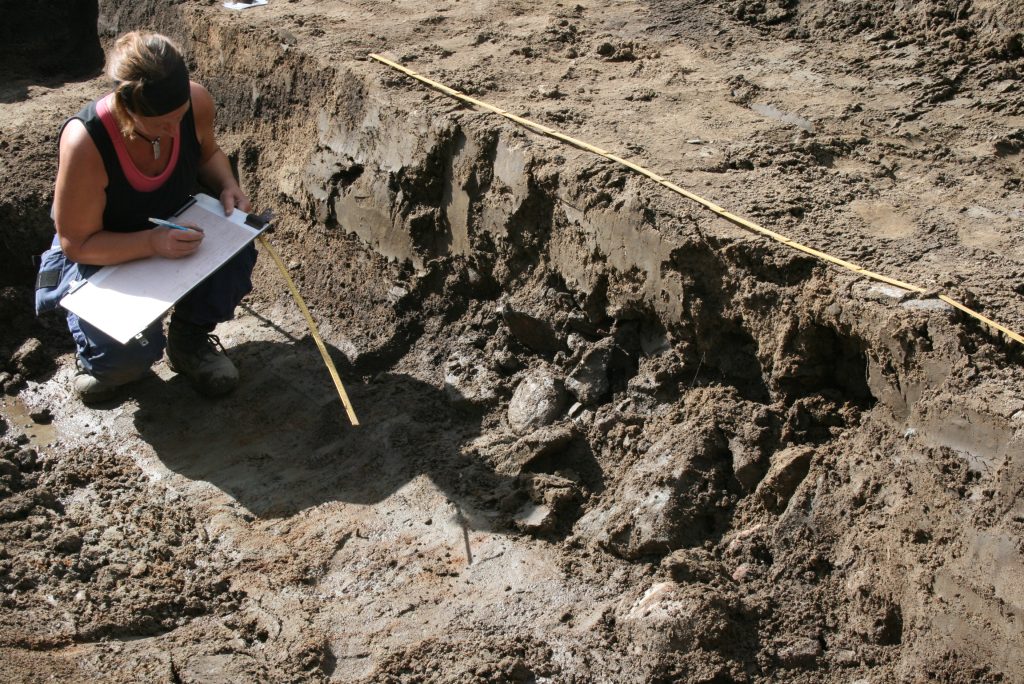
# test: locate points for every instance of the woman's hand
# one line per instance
(175, 244)
(232, 197)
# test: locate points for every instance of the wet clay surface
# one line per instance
(605, 436)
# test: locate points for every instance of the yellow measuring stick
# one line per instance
(313, 330)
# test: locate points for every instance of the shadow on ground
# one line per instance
(281, 442)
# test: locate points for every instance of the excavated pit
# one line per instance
(606, 437)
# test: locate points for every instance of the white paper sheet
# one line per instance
(123, 300)
(244, 5)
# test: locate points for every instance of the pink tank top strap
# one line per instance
(138, 180)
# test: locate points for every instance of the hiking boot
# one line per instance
(197, 354)
(91, 390)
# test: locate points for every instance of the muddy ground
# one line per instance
(606, 436)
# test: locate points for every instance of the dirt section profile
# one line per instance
(605, 435)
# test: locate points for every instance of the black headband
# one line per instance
(156, 98)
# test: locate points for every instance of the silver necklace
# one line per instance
(154, 142)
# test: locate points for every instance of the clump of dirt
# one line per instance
(90, 552)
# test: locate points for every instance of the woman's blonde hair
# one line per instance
(136, 59)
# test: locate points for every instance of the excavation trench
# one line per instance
(734, 451)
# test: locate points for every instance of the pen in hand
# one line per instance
(173, 244)
(168, 224)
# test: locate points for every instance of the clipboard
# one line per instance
(123, 300)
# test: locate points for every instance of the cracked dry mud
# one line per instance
(606, 436)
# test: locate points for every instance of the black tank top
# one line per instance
(128, 208)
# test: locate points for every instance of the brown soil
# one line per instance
(606, 436)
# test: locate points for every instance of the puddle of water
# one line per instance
(19, 420)
(773, 112)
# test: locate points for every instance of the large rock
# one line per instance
(669, 499)
(666, 617)
(533, 333)
(469, 379)
(752, 437)
(551, 498)
(747, 463)
(538, 401)
(542, 443)
(534, 518)
(589, 380)
(788, 469)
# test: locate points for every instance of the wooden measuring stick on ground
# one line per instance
(707, 204)
(313, 330)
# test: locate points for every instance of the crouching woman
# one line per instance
(137, 152)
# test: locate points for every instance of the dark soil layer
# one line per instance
(605, 436)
